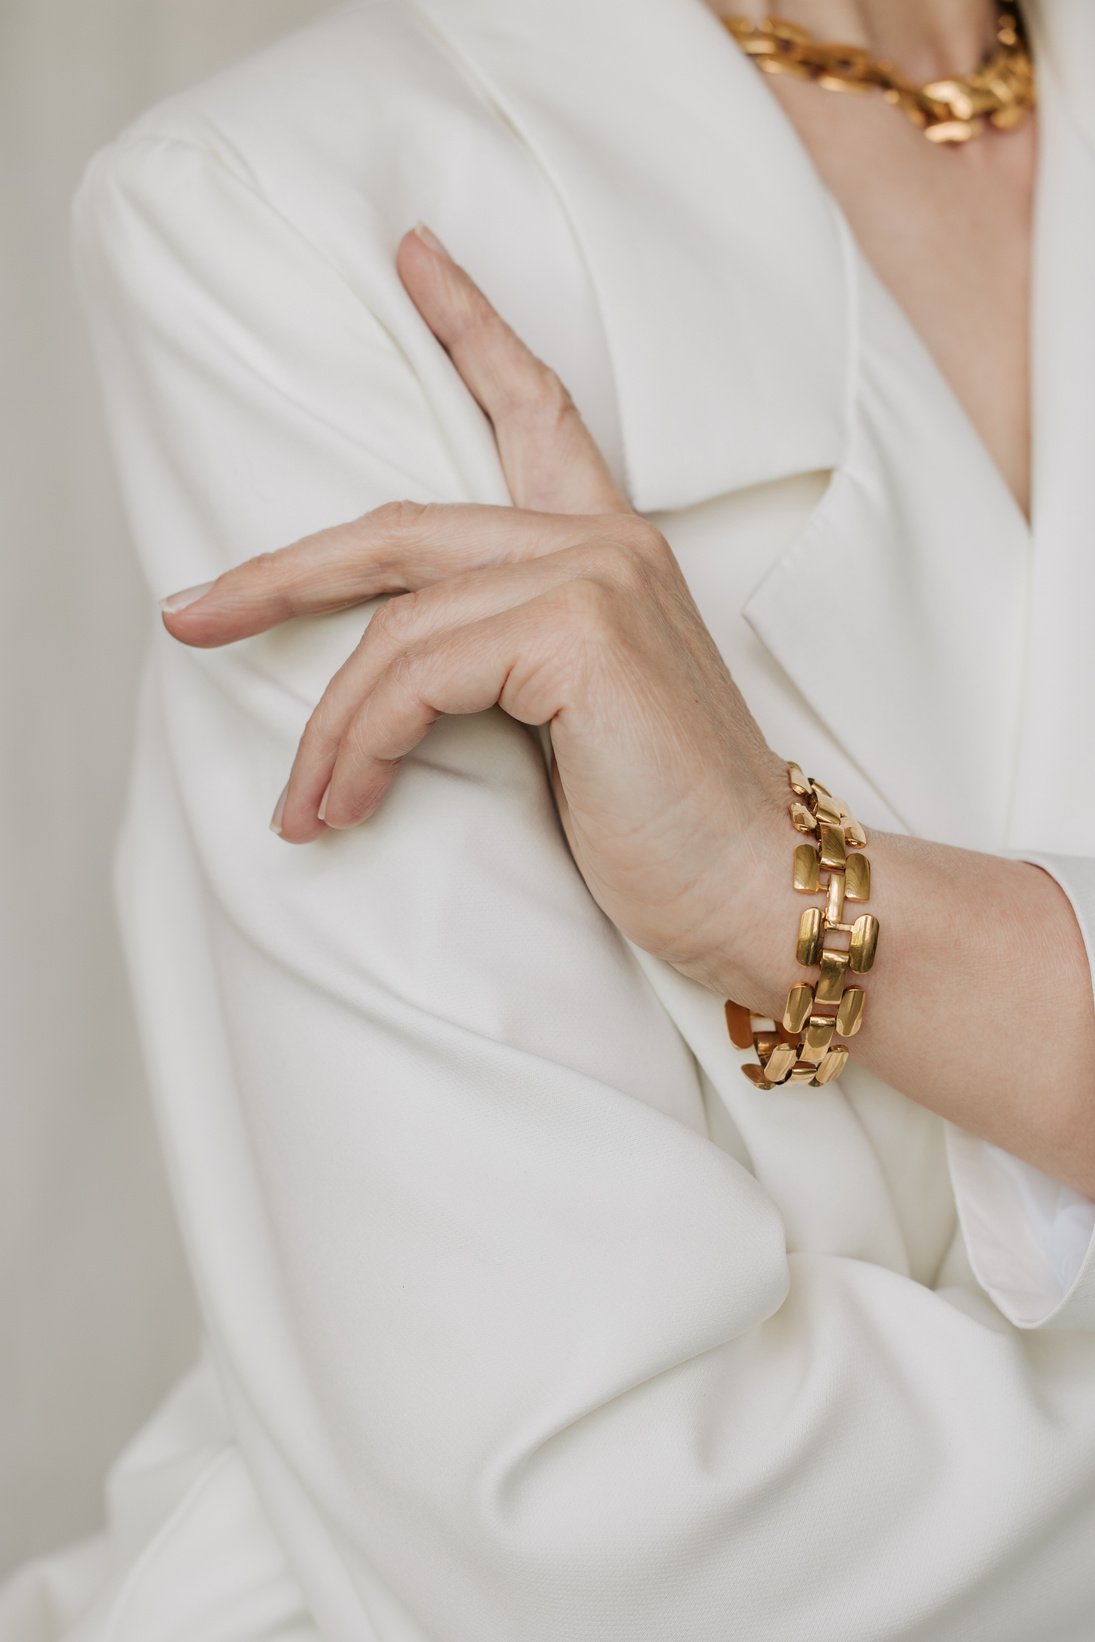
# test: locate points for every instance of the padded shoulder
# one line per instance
(321, 95)
(352, 129)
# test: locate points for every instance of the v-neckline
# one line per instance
(914, 337)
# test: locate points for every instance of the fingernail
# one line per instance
(322, 811)
(279, 810)
(189, 595)
(428, 236)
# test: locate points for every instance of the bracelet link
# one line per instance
(800, 1047)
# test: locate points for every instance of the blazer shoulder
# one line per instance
(317, 102)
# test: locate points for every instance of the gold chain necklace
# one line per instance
(1001, 91)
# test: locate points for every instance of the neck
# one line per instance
(923, 39)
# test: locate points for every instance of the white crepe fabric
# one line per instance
(528, 1319)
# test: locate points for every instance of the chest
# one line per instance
(948, 231)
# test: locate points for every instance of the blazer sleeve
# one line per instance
(1030, 1238)
(513, 1348)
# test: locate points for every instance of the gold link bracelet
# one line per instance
(800, 1048)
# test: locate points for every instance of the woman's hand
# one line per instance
(567, 609)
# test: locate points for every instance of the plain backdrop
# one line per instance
(96, 1316)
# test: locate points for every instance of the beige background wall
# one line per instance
(95, 1314)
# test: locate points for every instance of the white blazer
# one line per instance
(529, 1319)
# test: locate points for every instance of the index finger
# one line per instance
(549, 457)
(395, 548)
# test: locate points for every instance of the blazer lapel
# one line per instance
(697, 210)
(899, 610)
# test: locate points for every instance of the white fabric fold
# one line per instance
(514, 1335)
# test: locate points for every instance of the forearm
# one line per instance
(980, 1000)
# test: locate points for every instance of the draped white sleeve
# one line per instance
(512, 1349)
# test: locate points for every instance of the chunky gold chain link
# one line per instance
(831, 863)
(947, 111)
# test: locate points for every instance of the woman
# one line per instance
(529, 1317)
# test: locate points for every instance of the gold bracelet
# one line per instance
(800, 1048)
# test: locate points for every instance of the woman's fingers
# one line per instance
(410, 620)
(515, 659)
(552, 464)
(395, 548)
(549, 456)
(560, 485)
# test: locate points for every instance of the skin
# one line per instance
(569, 609)
(947, 231)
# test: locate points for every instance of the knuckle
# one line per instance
(403, 668)
(552, 394)
(592, 601)
(539, 394)
(641, 539)
(393, 619)
(268, 568)
(274, 578)
(628, 569)
(628, 556)
(399, 518)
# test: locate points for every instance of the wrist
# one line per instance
(752, 955)
(757, 963)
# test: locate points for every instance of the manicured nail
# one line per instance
(279, 810)
(189, 595)
(431, 239)
(322, 811)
